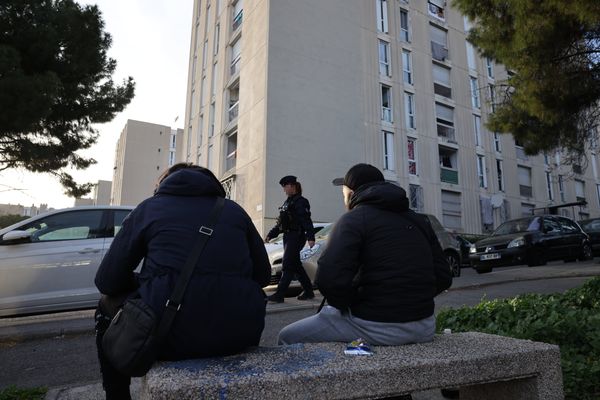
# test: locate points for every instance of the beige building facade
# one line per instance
(144, 150)
(100, 195)
(310, 88)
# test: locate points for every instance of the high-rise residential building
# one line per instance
(309, 88)
(100, 195)
(143, 152)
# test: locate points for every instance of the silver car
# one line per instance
(48, 262)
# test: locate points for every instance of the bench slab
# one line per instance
(483, 366)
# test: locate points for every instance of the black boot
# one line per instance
(306, 295)
(275, 298)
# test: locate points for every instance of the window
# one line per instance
(238, 13)
(411, 147)
(235, 57)
(384, 58)
(211, 120)
(471, 56)
(202, 92)
(444, 117)
(204, 54)
(389, 162)
(173, 141)
(199, 133)
(216, 44)
(497, 146)
(415, 197)
(171, 158)
(72, 225)
(382, 20)
(549, 186)
(492, 94)
(489, 64)
(474, 93)
(436, 8)
(214, 80)
(441, 81)
(386, 103)
(193, 104)
(209, 158)
(409, 109)
(451, 210)
(448, 165)
(579, 190)
(407, 67)
(477, 127)
(194, 66)
(525, 188)
(561, 188)
(404, 28)
(520, 151)
(231, 151)
(527, 209)
(500, 173)
(439, 43)
(481, 175)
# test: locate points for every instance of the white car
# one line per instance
(48, 262)
(275, 254)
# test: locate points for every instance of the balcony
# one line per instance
(233, 111)
(446, 132)
(525, 191)
(449, 175)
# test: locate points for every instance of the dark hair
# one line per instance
(188, 165)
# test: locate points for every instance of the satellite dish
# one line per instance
(497, 200)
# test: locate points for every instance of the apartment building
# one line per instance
(310, 88)
(144, 150)
(100, 195)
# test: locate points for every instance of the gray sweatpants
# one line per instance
(330, 325)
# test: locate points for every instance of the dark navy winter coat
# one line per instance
(223, 309)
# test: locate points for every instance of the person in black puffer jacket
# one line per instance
(382, 267)
(223, 310)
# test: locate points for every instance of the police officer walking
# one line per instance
(297, 227)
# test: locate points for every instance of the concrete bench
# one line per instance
(483, 367)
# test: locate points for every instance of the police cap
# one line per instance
(286, 180)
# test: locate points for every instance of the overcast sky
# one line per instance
(151, 41)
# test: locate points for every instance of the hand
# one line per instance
(311, 243)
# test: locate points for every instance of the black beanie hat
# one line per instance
(359, 175)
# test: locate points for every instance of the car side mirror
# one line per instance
(16, 235)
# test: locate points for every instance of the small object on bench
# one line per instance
(482, 366)
(358, 347)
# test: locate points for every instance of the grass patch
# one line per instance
(15, 393)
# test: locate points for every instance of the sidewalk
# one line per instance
(468, 281)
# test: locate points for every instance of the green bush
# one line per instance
(14, 393)
(570, 320)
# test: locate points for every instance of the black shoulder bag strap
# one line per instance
(174, 303)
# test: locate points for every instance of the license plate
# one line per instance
(491, 256)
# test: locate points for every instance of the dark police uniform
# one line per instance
(297, 227)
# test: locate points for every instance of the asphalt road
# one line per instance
(32, 354)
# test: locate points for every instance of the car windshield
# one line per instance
(518, 225)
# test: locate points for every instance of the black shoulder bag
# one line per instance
(133, 339)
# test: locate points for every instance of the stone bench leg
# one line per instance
(521, 389)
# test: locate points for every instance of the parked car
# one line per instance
(533, 241)
(465, 240)
(276, 243)
(592, 228)
(309, 257)
(48, 262)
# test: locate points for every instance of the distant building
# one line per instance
(100, 195)
(143, 152)
(18, 209)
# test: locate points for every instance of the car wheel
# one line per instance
(586, 252)
(454, 264)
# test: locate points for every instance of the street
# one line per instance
(64, 354)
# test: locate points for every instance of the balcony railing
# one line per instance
(235, 66)
(526, 191)
(233, 111)
(446, 132)
(449, 175)
(439, 51)
(386, 114)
